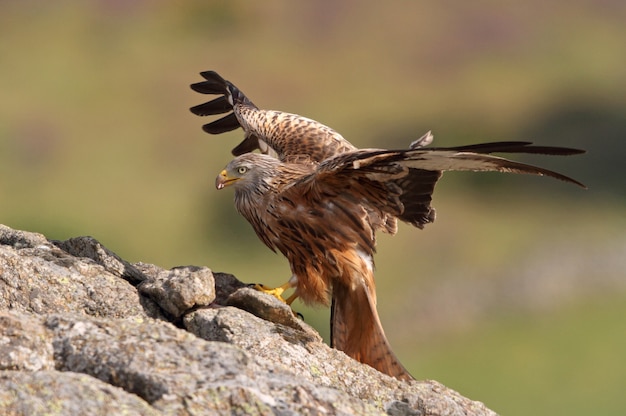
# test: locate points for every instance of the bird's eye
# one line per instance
(242, 170)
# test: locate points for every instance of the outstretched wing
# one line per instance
(290, 136)
(400, 183)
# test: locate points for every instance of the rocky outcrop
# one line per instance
(85, 332)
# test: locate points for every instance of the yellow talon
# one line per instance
(277, 292)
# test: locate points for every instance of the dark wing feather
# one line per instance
(446, 160)
(231, 97)
(440, 159)
(213, 84)
(219, 105)
(222, 125)
(417, 190)
(248, 145)
(512, 147)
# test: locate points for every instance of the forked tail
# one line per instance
(356, 330)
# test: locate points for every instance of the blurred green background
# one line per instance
(515, 296)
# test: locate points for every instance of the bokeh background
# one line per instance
(515, 296)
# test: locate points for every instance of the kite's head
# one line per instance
(249, 170)
(228, 176)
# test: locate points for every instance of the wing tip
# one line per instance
(213, 84)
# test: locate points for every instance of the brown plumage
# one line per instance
(322, 201)
(320, 218)
(289, 137)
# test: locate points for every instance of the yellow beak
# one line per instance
(223, 180)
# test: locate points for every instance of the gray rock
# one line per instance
(268, 308)
(42, 278)
(166, 366)
(51, 392)
(21, 239)
(84, 332)
(91, 248)
(302, 353)
(179, 289)
(22, 343)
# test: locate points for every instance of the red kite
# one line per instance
(321, 201)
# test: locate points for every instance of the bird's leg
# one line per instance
(277, 292)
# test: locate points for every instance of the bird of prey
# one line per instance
(321, 209)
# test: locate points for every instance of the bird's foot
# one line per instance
(277, 292)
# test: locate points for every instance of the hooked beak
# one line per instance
(223, 180)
